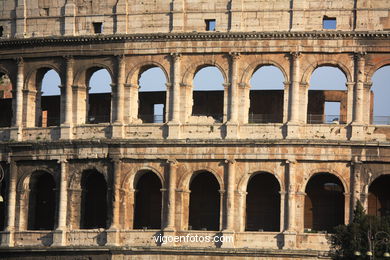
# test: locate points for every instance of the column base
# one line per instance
(290, 240)
(16, 134)
(232, 130)
(357, 132)
(228, 239)
(112, 237)
(292, 130)
(169, 240)
(66, 132)
(59, 238)
(173, 130)
(7, 239)
(117, 131)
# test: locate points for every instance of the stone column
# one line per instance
(175, 96)
(356, 168)
(10, 228)
(68, 118)
(294, 93)
(359, 88)
(170, 225)
(121, 66)
(59, 236)
(231, 172)
(17, 122)
(70, 18)
(113, 232)
(233, 117)
(350, 95)
(286, 95)
(290, 196)
(242, 209)
(282, 209)
(21, 17)
(133, 103)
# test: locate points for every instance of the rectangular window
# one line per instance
(1, 31)
(46, 11)
(210, 24)
(332, 112)
(158, 113)
(97, 27)
(329, 23)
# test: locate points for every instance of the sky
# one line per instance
(267, 77)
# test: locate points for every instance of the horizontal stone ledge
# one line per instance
(194, 36)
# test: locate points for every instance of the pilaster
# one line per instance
(59, 235)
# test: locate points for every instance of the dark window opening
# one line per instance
(97, 27)
(329, 23)
(1, 31)
(46, 11)
(208, 95)
(50, 97)
(204, 203)
(379, 197)
(99, 96)
(3, 202)
(210, 24)
(148, 202)
(324, 203)
(152, 95)
(93, 200)
(5, 101)
(41, 209)
(263, 203)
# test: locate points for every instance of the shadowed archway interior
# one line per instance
(93, 200)
(41, 210)
(263, 203)
(379, 197)
(148, 202)
(204, 202)
(324, 203)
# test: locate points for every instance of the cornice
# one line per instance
(193, 36)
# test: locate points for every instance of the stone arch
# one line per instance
(24, 180)
(185, 180)
(377, 195)
(253, 67)
(243, 182)
(312, 173)
(135, 73)
(309, 69)
(375, 68)
(191, 70)
(75, 178)
(81, 77)
(32, 72)
(131, 176)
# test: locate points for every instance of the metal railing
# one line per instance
(218, 118)
(381, 120)
(326, 119)
(264, 118)
(154, 119)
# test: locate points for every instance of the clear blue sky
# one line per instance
(267, 77)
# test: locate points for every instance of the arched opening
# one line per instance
(324, 203)
(379, 197)
(5, 100)
(50, 99)
(41, 209)
(99, 96)
(263, 203)
(3, 198)
(266, 95)
(380, 93)
(152, 95)
(148, 202)
(208, 93)
(327, 97)
(93, 200)
(204, 202)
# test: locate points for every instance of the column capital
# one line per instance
(175, 56)
(128, 85)
(172, 162)
(116, 160)
(234, 55)
(19, 61)
(62, 160)
(226, 85)
(294, 55)
(367, 84)
(360, 56)
(69, 59)
(230, 161)
(168, 85)
(244, 85)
